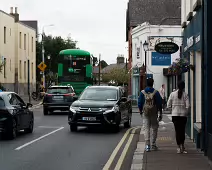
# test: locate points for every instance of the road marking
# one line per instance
(33, 141)
(125, 150)
(49, 127)
(113, 155)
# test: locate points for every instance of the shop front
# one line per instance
(192, 52)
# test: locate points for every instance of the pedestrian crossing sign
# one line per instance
(42, 66)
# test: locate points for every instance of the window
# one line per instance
(5, 35)
(32, 70)
(20, 69)
(10, 65)
(59, 90)
(25, 70)
(5, 67)
(24, 41)
(20, 36)
(2, 104)
(32, 43)
(10, 32)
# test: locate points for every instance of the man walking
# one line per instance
(149, 103)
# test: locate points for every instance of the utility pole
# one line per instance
(28, 63)
(43, 52)
(99, 69)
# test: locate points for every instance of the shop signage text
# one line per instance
(166, 48)
(191, 41)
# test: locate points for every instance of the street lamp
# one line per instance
(43, 50)
(146, 47)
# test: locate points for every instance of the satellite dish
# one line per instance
(139, 64)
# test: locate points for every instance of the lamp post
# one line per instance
(43, 50)
(146, 47)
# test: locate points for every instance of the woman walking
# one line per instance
(179, 102)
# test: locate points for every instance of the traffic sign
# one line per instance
(42, 66)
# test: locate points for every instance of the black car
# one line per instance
(58, 98)
(14, 115)
(101, 105)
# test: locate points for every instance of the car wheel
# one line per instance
(128, 123)
(30, 128)
(73, 128)
(45, 111)
(13, 131)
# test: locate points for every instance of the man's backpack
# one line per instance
(149, 105)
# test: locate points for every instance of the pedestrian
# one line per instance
(162, 94)
(149, 103)
(179, 102)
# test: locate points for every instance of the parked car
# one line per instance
(15, 115)
(101, 105)
(58, 98)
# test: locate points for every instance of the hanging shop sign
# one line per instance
(166, 48)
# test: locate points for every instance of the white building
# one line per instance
(151, 34)
(17, 47)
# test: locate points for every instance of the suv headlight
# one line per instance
(108, 110)
(74, 109)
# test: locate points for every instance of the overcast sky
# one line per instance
(98, 25)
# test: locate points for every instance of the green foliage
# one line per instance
(52, 47)
(2, 64)
(117, 75)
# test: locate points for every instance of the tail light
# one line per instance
(71, 94)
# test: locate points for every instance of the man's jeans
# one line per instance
(150, 121)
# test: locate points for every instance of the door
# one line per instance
(26, 116)
(18, 111)
(123, 106)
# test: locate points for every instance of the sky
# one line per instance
(99, 26)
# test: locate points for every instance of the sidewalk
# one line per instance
(166, 157)
(33, 102)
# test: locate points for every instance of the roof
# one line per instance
(55, 86)
(112, 66)
(104, 87)
(3, 93)
(32, 24)
(75, 52)
(156, 12)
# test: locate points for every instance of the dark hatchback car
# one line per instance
(58, 98)
(15, 115)
(101, 105)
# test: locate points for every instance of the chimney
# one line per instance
(120, 59)
(11, 10)
(16, 10)
(16, 15)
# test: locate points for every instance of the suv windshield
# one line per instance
(99, 94)
(59, 90)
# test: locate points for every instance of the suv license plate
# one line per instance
(89, 118)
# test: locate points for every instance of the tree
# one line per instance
(52, 46)
(117, 75)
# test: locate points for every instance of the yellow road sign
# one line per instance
(42, 66)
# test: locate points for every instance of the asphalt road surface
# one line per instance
(53, 147)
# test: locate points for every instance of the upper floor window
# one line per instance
(5, 67)
(24, 41)
(5, 35)
(20, 36)
(32, 43)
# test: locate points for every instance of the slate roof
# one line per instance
(112, 66)
(32, 24)
(155, 12)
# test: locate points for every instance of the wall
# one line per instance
(26, 50)
(7, 50)
(139, 35)
(10, 77)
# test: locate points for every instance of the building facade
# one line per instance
(152, 34)
(18, 51)
(197, 49)
(141, 11)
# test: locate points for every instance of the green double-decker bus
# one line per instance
(75, 68)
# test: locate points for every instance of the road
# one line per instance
(53, 147)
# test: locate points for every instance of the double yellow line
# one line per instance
(124, 152)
